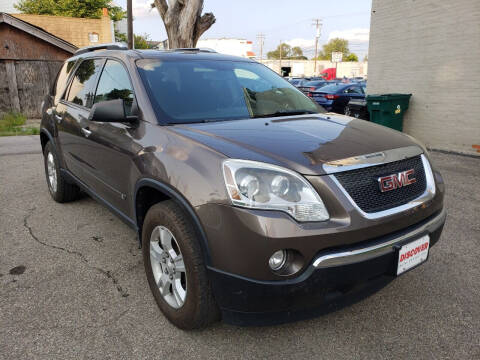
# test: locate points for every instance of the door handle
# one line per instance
(58, 118)
(86, 131)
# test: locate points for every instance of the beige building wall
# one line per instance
(307, 67)
(432, 50)
(77, 31)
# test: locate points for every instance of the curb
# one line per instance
(451, 152)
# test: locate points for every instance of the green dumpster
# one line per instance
(388, 109)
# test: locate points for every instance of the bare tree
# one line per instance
(184, 21)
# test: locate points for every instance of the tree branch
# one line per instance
(203, 23)
(161, 6)
(174, 11)
(183, 21)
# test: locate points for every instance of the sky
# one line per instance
(280, 20)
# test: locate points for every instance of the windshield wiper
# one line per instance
(285, 113)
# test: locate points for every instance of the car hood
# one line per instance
(302, 143)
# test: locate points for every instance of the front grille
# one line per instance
(362, 185)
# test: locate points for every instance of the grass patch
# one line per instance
(13, 124)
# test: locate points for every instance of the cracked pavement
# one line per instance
(82, 257)
(72, 285)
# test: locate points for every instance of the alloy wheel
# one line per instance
(168, 267)
(52, 172)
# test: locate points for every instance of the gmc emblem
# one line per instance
(395, 181)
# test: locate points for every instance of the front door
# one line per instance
(112, 146)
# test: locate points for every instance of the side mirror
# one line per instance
(110, 111)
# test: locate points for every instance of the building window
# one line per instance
(93, 37)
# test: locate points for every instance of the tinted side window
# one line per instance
(353, 90)
(114, 84)
(61, 81)
(82, 88)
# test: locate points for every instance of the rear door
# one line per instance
(53, 99)
(72, 118)
(351, 92)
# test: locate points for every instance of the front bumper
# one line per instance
(331, 276)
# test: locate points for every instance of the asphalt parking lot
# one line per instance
(72, 285)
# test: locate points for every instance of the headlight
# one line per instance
(258, 185)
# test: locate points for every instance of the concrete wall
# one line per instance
(432, 50)
(73, 30)
(307, 67)
(235, 47)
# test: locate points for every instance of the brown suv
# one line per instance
(250, 202)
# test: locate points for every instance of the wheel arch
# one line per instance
(45, 137)
(155, 191)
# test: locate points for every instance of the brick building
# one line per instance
(432, 50)
(78, 31)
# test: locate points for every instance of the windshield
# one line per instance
(205, 90)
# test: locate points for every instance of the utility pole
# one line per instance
(261, 40)
(318, 24)
(280, 62)
(130, 24)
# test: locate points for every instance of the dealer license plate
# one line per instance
(413, 254)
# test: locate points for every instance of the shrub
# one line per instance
(10, 120)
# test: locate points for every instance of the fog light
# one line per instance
(277, 260)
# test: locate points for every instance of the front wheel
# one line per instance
(175, 269)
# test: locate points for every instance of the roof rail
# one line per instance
(109, 46)
(196, 49)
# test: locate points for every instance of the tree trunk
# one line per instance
(184, 21)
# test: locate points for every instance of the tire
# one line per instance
(60, 190)
(187, 300)
(347, 111)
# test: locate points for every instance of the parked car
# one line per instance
(357, 108)
(299, 82)
(359, 79)
(293, 80)
(312, 85)
(248, 200)
(335, 97)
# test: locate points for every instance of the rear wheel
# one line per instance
(60, 190)
(347, 111)
(175, 269)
